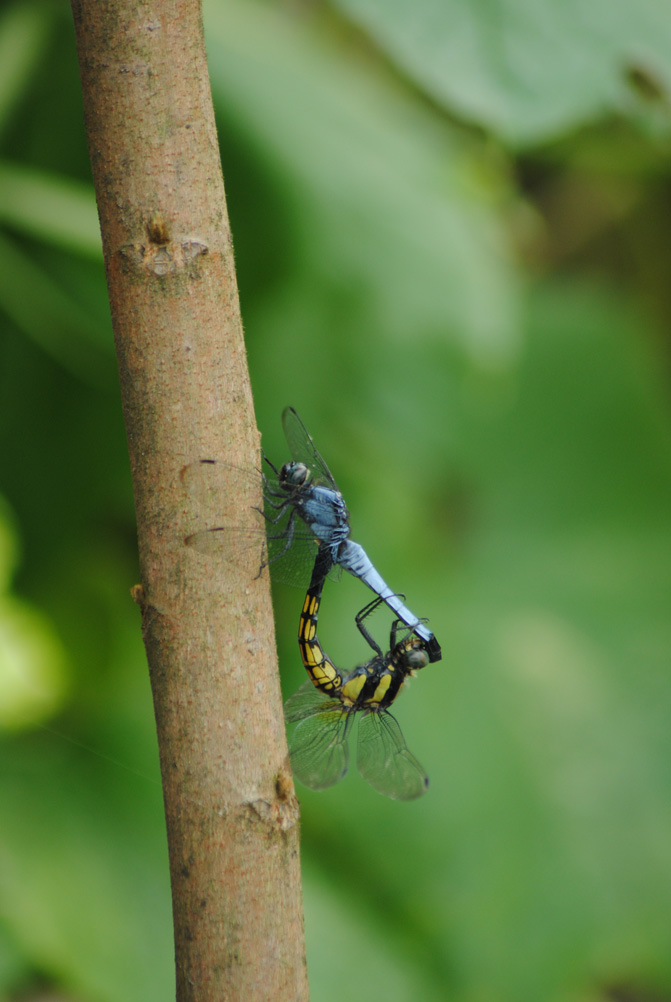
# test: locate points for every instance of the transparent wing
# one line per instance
(281, 539)
(384, 761)
(306, 702)
(318, 747)
(303, 448)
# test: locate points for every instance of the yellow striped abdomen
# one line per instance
(316, 661)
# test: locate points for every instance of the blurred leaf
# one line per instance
(387, 213)
(588, 437)
(55, 209)
(84, 872)
(32, 666)
(42, 310)
(12, 963)
(9, 545)
(381, 962)
(526, 69)
(539, 845)
(24, 34)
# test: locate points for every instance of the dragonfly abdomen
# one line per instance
(354, 558)
(316, 661)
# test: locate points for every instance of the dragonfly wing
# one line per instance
(306, 702)
(280, 541)
(211, 482)
(318, 749)
(226, 542)
(384, 761)
(304, 450)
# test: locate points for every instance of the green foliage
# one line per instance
(527, 70)
(470, 318)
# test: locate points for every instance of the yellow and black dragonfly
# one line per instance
(324, 708)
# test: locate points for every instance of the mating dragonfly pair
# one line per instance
(307, 522)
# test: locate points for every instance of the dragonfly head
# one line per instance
(413, 654)
(294, 474)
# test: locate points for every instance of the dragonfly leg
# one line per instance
(264, 561)
(359, 618)
(366, 611)
(395, 627)
(288, 535)
(400, 624)
(268, 492)
(368, 637)
(279, 508)
(271, 465)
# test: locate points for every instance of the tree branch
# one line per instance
(230, 805)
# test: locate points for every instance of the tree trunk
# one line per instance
(231, 812)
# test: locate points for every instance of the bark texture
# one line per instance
(231, 811)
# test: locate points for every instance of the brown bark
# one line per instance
(230, 805)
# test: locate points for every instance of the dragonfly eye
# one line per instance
(295, 474)
(415, 655)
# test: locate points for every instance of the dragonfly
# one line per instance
(325, 707)
(305, 512)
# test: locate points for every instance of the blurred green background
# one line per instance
(451, 225)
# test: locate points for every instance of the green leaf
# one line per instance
(381, 961)
(85, 889)
(41, 308)
(526, 69)
(58, 210)
(9, 545)
(392, 220)
(24, 35)
(33, 666)
(538, 851)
